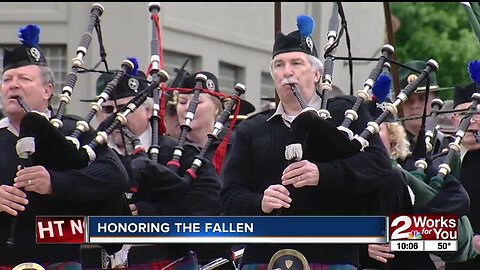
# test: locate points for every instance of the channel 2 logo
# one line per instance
(423, 227)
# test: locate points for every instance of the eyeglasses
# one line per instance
(475, 115)
(108, 109)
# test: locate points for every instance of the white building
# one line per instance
(232, 40)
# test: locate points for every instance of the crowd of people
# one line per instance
(244, 172)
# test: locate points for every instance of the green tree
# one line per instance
(439, 31)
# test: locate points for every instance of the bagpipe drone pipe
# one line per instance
(324, 130)
(77, 63)
(148, 169)
(159, 176)
(330, 48)
(55, 152)
(444, 182)
(156, 184)
(448, 194)
(59, 149)
(436, 188)
(317, 135)
(148, 173)
(434, 184)
(128, 69)
(154, 69)
(200, 80)
(320, 140)
(40, 143)
(52, 149)
(206, 79)
(42, 140)
(75, 146)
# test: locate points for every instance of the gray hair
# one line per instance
(47, 75)
(317, 65)
(48, 78)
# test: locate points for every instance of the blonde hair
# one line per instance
(218, 106)
(399, 145)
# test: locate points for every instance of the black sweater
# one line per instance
(257, 161)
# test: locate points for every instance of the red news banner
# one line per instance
(60, 230)
(423, 232)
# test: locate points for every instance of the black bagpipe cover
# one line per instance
(452, 198)
(52, 149)
(157, 178)
(321, 140)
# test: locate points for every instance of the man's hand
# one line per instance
(133, 209)
(35, 179)
(380, 253)
(275, 197)
(12, 200)
(301, 173)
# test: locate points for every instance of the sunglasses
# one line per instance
(108, 109)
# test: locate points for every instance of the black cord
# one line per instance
(438, 113)
(349, 47)
(103, 52)
(420, 148)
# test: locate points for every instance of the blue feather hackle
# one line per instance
(305, 25)
(474, 70)
(134, 71)
(30, 35)
(381, 88)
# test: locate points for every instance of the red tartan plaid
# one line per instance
(185, 264)
(151, 265)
